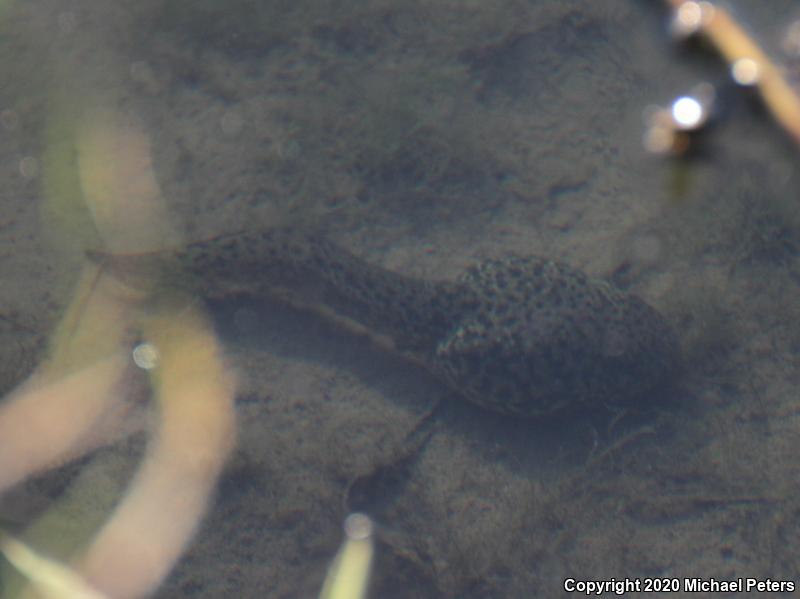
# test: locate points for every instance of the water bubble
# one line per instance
(746, 71)
(688, 113)
(358, 527)
(145, 356)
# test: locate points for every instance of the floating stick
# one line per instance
(749, 64)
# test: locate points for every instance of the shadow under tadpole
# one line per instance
(532, 446)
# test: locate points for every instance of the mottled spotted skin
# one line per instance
(543, 336)
(521, 335)
(415, 313)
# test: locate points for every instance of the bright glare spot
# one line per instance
(706, 12)
(745, 71)
(688, 18)
(358, 527)
(688, 113)
(145, 356)
(29, 167)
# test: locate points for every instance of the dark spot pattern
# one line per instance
(543, 336)
(519, 335)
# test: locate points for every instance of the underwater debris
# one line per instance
(748, 63)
